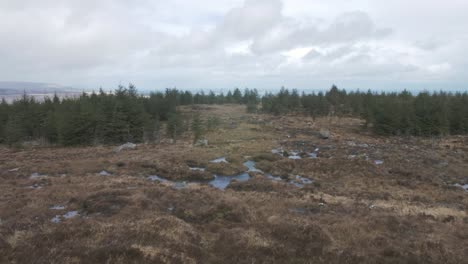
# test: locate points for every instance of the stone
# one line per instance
(324, 134)
(201, 143)
(125, 146)
(104, 173)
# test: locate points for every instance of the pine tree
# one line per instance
(197, 128)
(174, 126)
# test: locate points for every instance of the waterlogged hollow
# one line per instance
(220, 160)
(156, 178)
(464, 187)
(222, 181)
(197, 169)
(251, 166)
(57, 207)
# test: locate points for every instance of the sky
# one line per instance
(223, 44)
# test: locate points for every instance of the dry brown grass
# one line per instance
(403, 211)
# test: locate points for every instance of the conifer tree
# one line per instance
(197, 128)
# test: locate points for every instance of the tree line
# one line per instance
(124, 115)
(424, 114)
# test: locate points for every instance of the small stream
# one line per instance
(222, 181)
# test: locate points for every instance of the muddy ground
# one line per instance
(367, 199)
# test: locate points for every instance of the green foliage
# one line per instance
(212, 123)
(388, 114)
(125, 115)
(174, 126)
(197, 128)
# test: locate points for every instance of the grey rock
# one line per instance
(324, 134)
(125, 146)
(201, 143)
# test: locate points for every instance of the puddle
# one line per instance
(378, 162)
(251, 166)
(57, 207)
(221, 182)
(220, 160)
(37, 175)
(304, 180)
(35, 186)
(156, 178)
(294, 157)
(464, 187)
(180, 185)
(300, 181)
(312, 155)
(274, 178)
(175, 185)
(70, 214)
(197, 169)
(278, 151)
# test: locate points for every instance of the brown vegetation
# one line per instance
(405, 210)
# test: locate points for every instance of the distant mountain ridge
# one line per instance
(11, 91)
(13, 88)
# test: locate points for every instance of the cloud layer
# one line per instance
(224, 44)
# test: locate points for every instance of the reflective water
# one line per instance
(220, 160)
(156, 178)
(197, 169)
(70, 214)
(57, 207)
(251, 166)
(222, 182)
(465, 186)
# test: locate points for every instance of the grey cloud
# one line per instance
(348, 27)
(92, 42)
(254, 18)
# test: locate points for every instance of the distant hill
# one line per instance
(13, 90)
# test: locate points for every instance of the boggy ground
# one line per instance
(357, 210)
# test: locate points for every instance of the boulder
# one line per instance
(201, 143)
(324, 134)
(125, 146)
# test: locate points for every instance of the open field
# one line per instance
(369, 200)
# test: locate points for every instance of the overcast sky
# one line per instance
(215, 44)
